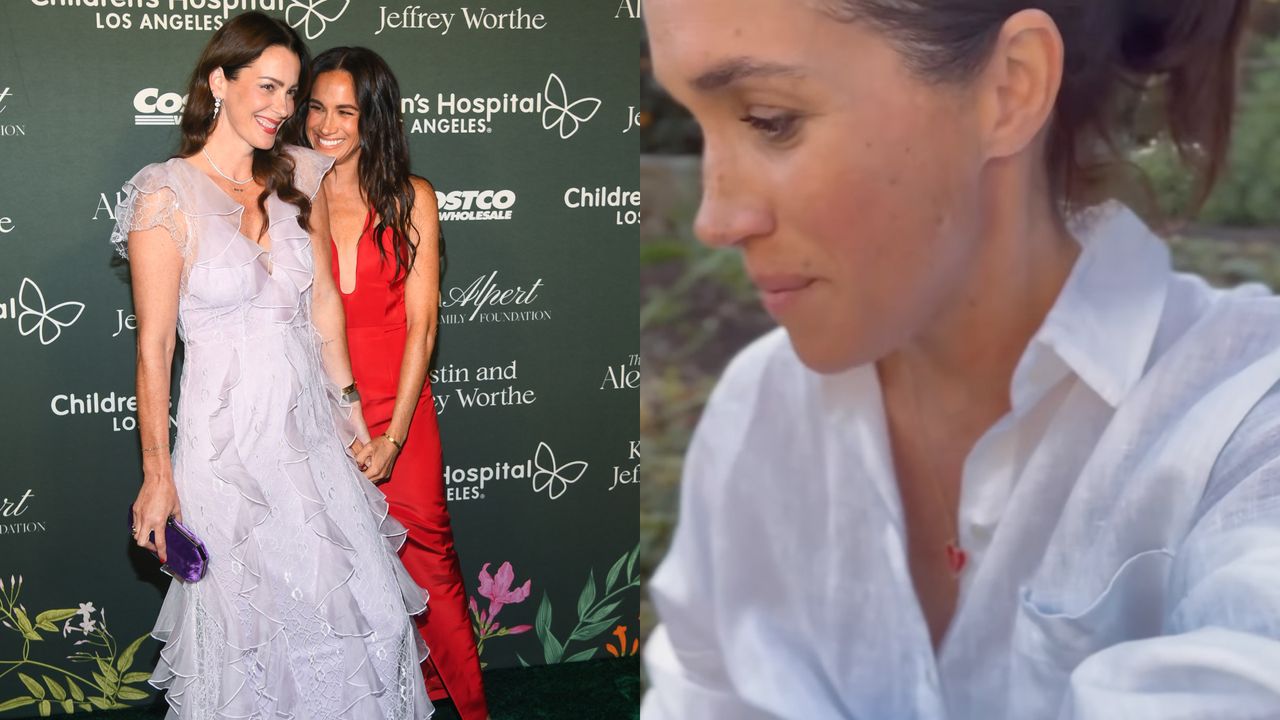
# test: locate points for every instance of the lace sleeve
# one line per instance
(309, 168)
(149, 201)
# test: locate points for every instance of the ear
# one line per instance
(1020, 82)
(218, 83)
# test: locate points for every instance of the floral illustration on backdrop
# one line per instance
(622, 650)
(497, 588)
(595, 613)
(107, 688)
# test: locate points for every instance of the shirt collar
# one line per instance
(1104, 322)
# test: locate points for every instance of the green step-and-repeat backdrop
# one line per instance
(523, 115)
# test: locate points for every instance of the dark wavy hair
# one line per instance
(234, 46)
(1115, 50)
(384, 152)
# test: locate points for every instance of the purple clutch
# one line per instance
(187, 557)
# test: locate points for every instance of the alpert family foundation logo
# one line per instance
(9, 129)
(36, 317)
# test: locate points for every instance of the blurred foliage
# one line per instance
(1248, 193)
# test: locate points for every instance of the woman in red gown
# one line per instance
(386, 259)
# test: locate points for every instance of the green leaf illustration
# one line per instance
(131, 693)
(32, 686)
(523, 662)
(48, 619)
(125, 660)
(612, 578)
(587, 632)
(100, 702)
(551, 647)
(110, 672)
(134, 677)
(54, 688)
(584, 655)
(542, 622)
(588, 595)
(76, 693)
(24, 625)
(16, 703)
(68, 707)
(601, 611)
(84, 706)
(46, 708)
(631, 561)
(102, 683)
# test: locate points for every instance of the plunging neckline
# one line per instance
(355, 269)
(269, 264)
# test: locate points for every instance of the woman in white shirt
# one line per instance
(999, 461)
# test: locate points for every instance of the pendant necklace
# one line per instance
(956, 556)
(224, 176)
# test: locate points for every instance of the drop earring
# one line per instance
(217, 105)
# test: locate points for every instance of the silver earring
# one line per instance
(217, 105)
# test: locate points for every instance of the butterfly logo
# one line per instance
(553, 478)
(37, 316)
(562, 114)
(309, 12)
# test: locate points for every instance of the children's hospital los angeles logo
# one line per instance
(36, 316)
(451, 113)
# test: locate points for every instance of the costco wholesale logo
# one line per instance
(462, 205)
(455, 114)
(36, 317)
(156, 108)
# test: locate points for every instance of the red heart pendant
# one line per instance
(956, 558)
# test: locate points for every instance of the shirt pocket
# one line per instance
(1049, 643)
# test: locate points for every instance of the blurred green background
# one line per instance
(697, 308)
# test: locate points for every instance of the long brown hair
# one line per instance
(234, 46)
(384, 152)
(1114, 50)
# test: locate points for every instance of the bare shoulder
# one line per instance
(423, 189)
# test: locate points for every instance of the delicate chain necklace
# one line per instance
(225, 176)
(957, 558)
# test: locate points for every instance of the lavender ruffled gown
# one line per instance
(305, 610)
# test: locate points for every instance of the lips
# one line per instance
(330, 144)
(778, 292)
(268, 126)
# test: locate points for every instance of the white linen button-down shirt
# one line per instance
(1122, 524)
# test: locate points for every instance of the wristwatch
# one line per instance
(350, 394)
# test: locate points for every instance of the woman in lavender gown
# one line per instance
(305, 609)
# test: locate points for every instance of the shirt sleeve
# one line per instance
(309, 168)
(684, 657)
(149, 200)
(1219, 655)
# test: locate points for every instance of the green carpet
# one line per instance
(593, 690)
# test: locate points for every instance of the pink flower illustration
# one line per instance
(498, 588)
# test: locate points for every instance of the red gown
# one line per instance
(415, 492)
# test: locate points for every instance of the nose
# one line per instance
(734, 205)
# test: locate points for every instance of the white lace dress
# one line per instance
(305, 610)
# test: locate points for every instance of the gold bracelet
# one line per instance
(399, 447)
(155, 449)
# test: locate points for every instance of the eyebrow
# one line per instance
(728, 72)
(274, 80)
(340, 106)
